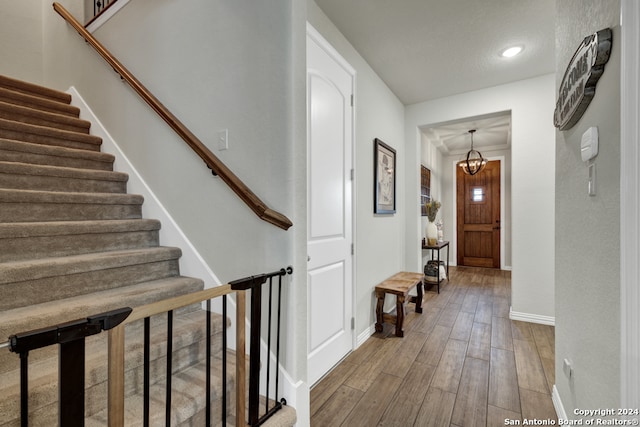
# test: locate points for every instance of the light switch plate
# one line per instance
(223, 139)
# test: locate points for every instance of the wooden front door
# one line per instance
(478, 217)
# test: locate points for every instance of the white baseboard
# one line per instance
(298, 397)
(364, 335)
(531, 318)
(557, 404)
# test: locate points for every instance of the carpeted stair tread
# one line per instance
(49, 267)
(34, 89)
(26, 176)
(12, 96)
(28, 240)
(188, 327)
(61, 171)
(63, 228)
(23, 319)
(10, 129)
(37, 316)
(33, 281)
(187, 398)
(38, 117)
(41, 206)
(34, 196)
(189, 333)
(25, 152)
(285, 417)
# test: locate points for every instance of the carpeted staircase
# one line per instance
(73, 243)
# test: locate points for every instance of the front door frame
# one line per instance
(502, 210)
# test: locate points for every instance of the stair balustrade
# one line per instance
(100, 6)
(70, 337)
(218, 168)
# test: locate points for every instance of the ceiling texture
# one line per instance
(428, 49)
(493, 132)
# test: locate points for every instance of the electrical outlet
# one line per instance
(223, 139)
(567, 368)
(592, 180)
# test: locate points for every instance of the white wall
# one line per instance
(432, 159)
(588, 228)
(216, 65)
(21, 40)
(531, 103)
(239, 80)
(379, 240)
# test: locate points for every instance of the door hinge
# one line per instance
(352, 174)
(352, 249)
(352, 100)
(353, 323)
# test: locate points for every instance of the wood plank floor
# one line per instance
(462, 362)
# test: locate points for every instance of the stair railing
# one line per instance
(255, 284)
(217, 167)
(116, 357)
(70, 336)
(100, 8)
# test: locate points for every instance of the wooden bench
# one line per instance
(399, 285)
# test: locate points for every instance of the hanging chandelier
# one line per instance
(473, 163)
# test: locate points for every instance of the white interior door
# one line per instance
(330, 83)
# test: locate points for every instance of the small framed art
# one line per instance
(384, 164)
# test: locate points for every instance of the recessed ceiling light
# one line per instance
(511, 52)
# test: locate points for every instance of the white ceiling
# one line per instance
(428, 49)
(492, 132)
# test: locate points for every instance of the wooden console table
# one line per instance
(399, 285)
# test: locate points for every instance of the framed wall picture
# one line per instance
(425, 188)
(384, 165)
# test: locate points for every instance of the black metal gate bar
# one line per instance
(146, 373)
(266, 400)
(224, 361)
(169, 366)
(207, 405)
(71, 338)
(24, 389)
(278, 329)
(71, 386)
(254, 354)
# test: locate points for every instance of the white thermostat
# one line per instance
(589, 144)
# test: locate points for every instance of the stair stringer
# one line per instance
(191, 262)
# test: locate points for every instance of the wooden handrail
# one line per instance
(215, 164)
